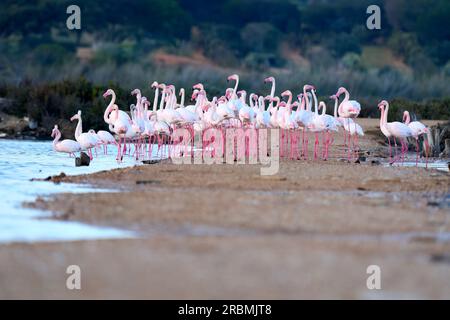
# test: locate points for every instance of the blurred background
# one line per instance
(47, 72)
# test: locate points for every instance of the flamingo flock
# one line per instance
(149, 124)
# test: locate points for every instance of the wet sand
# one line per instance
(225, 231)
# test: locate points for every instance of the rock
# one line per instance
(148, 182)
(83, 160)
(375, 162)
(151, 161)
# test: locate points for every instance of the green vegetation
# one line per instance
(131, 43)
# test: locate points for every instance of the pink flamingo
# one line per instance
(66, 145)
(418, 129)
(348, 109)
(106, 138)
(118, 120)
(85, 139)
(396, 129)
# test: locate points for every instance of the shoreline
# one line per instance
(224, 231)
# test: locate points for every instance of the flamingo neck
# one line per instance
(305, 96)
(347, 96)
(386, 111)
(335, 107)
(315, 102)
(408, 118)
(161, 104)
(272, 94)
(155, 99)
(182, 99)
(234, 95)
(57, 137)
(79, 128)
(324, 108)
(302, 104)
(289, 101)
(109, 108)
(262, 106)
(382, 117)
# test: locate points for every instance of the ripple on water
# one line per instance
(22, 160)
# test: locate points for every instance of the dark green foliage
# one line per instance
(62, 100)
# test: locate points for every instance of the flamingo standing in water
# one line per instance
(331, 125)
(396, 129)
(348, 109)
(418, 129)
(86, 140)
(106, 138)
(66, 145)
(119, 121)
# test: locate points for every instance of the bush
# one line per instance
(352, 61)
(343, 43)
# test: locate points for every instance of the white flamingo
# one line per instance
(86, 140)
(397, 129)
(66, 145)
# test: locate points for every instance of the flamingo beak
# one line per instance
(105, 94)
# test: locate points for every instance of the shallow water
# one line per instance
(22, 160)
(432, 164)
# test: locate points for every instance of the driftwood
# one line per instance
(435, 138)
(446, 148)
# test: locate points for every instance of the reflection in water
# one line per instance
(22, 160)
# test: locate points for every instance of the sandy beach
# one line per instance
(226, 232)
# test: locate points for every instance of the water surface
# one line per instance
(22, 160)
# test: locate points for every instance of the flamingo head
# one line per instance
(282, 104)
(198, 86)
(286, 93)
(405, 115)
(222, 99)
(383, 103)
(334, 97)
(234, 77)
(154, 85)
(322, 105)
(144, 100)
(181, 92)
(135, 92)
(300, 96)
(241, 93)
(76, 116)
(295, 104)
(108, 93)
(307, 87)
(228, 93)
(194, 94)
(269, 79)
(254, 97)
(340, 91)
(55, 131)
